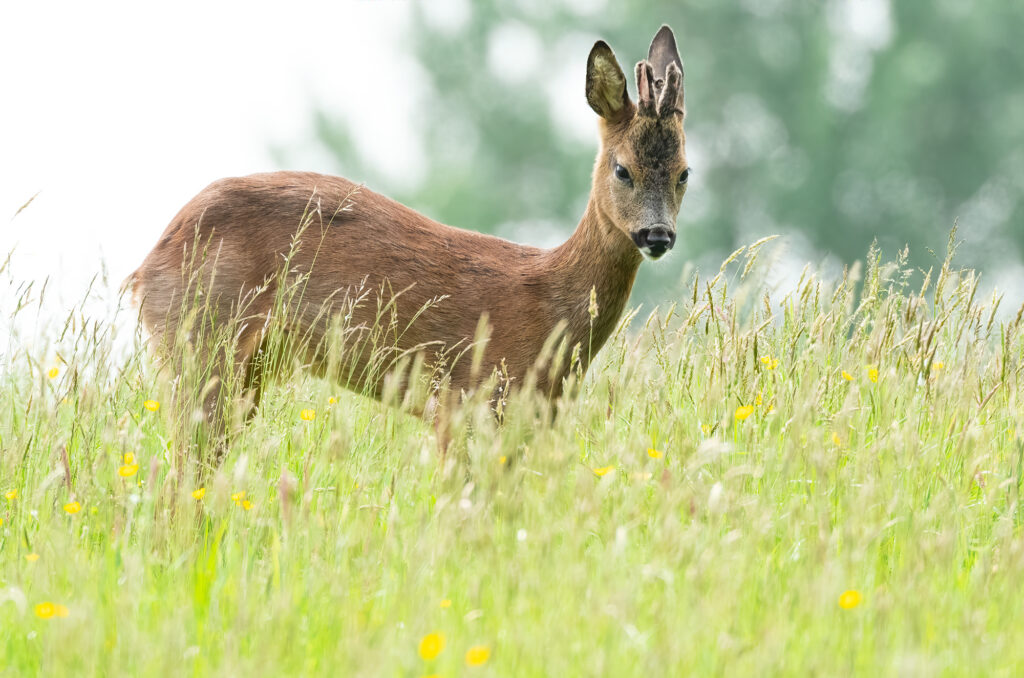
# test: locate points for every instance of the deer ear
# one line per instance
(606, 84)
(662, 53)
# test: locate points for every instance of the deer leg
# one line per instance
(256, 374)
(210, 434)
(231, 374)
(436, 411)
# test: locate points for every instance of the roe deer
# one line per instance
(438, 282)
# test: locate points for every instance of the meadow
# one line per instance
(823, 483)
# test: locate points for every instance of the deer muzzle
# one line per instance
(655, 241)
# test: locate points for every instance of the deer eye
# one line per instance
(684, 176)
(622, 174)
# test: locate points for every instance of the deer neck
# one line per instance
(597, 256)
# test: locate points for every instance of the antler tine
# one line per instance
(668, 101)
(645, 88)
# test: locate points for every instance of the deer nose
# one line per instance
(655, 240)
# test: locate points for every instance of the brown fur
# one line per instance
(359, 240)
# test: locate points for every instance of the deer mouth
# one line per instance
(654, 253)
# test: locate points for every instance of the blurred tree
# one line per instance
(842, 121)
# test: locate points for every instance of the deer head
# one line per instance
(641, 171)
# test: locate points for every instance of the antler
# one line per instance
(668, 102)
(658, 98)
(646, 89)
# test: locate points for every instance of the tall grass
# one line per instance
(729, 468)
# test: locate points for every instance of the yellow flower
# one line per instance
(129, 458)
(836, 440)
(307, 415)
(603, 471)
(847, 376)
(431, 645)
(73, 507)
(938, 366)
(128, 470)
(246, 504)
(199, 494)
(46, 610)
(11, 495)
(502, 459)
(759, 399)
(769, 362)
(447, 602)
(151, 405)
(873, 374)
(31, 557)
(705, 429)
(477, 655)
(61, 610)
(332, 400)
(850, 599)
(654, 454)
(744, 411)
(54, 371)
(237, 497)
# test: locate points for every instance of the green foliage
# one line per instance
(726, 554)
(841, 121)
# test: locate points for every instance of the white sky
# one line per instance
(117, 113)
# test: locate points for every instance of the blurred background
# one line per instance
(833, 123)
